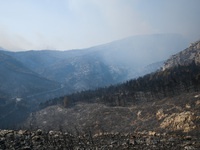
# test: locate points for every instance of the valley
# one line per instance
(93, 95)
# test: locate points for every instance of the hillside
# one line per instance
(103, 65)
(159, 110)
(166, 101)
(19, 81)
(32, 77)
(186, 56)
(18, 85)
(147, 104)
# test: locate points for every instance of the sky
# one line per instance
(76, 24)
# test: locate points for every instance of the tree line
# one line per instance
(157, 85)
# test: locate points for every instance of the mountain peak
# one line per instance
(190, 54)
(195, 45)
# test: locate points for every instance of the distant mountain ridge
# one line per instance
(18, 84)
(105, 64)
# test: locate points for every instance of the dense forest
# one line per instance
(154, 86)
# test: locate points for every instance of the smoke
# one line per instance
(169, 16)
(12, 41)
(72, 24)
(69, 24)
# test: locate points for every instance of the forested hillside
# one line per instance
(167, 83)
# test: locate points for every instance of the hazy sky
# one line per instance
(71, 24)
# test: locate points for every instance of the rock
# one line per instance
(9, 135)
(2, 141)
(164, 134)
(26, 148)
(36, 138)
(51, 132)
(111, 146)
(158, 134)
(192, 53)
(132, 142)
(172, 139)
(140, 141)
(113, 142)
(39, 132)
(43, 140)
(56, 136)
(151, 141)
(151, 133)
(21, 132)
(160, 114)
(187, 106)
(189, 148)
(188, 138)
(148, 141)
(144, 132)
(197, 102)
(139, 114)
(180, 121)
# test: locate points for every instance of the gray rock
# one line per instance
(39, 132)
(192, 53)
(132, 142)
(56, 141)
(189, 148)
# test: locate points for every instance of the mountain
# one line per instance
(102, 65)
(158, 110)
(18, 81)
(76, 69)
(157, 66)
(142, 50)
(85, 72)
(38, 61)
(37, 76)
(163, 102)
(192, 53)
(1, 48)
(18, 87)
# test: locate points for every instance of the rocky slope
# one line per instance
(192, 53)
(164, 101)
(179, 114)
(55, 140)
